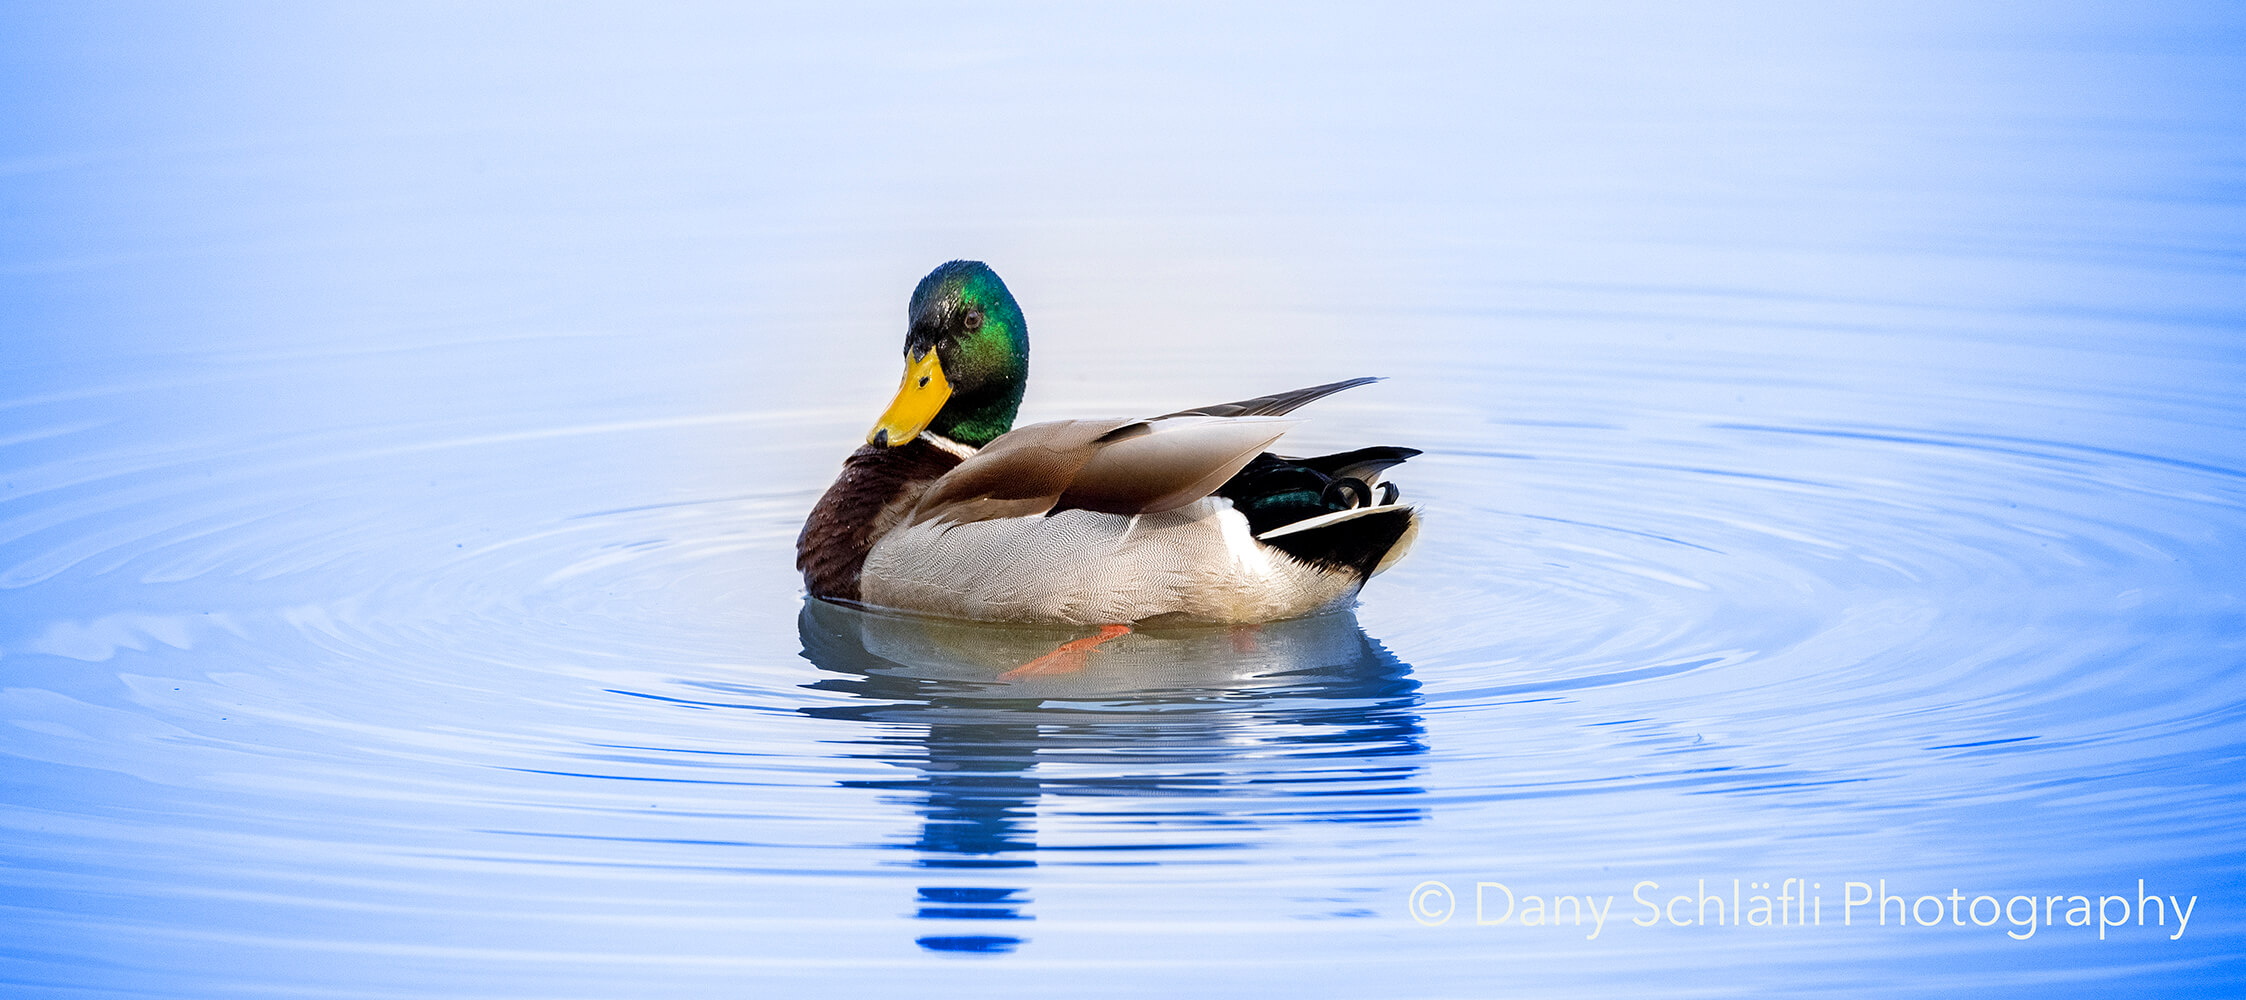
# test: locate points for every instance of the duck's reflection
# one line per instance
(1195, 739)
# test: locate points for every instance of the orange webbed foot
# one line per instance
(1244, 638)
(1069, 658)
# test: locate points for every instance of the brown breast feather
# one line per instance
(876, 487)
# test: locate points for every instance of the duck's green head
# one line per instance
(966, 360)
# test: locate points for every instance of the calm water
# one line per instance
(1834, 472)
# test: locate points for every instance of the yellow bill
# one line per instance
(919, 397)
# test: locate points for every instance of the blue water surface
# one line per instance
(1834, 473)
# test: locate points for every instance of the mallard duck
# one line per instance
(951, 510)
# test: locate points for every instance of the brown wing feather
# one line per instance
(1276, 404)
(1179, 461)
(1023, 472)
(1112, 466)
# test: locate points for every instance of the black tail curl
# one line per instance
(1273, 492)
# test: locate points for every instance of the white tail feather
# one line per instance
(1325, 519)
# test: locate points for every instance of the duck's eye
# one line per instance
(974, 319)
